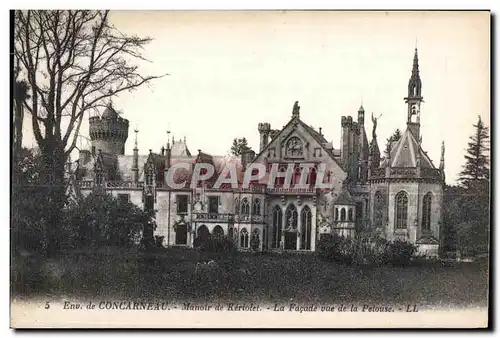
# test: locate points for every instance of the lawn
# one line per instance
(173, 275)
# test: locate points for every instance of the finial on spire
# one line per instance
(136, 131)
(414, 70)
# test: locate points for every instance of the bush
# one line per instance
(335, 248)
(399, 252)
(217, 245)
(101, 219)
(159, 241)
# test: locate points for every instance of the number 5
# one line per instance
(47, 306)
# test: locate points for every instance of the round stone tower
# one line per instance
(108, 132)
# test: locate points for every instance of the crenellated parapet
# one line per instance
(109, 132)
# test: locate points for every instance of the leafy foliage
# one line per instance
(101, 219)
(476, 169)
(364, 249)
(467, 206)
(216, 244)
(240, 145)
(394, 137)
(399, 252)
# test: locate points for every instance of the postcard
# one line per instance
(250, 169)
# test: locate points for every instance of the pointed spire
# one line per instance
(136, 131)
(168, 139)
(415, 71)
(441, 162)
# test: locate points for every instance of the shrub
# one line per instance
(399, 252)
(159, 241)
(101, 219)
(332, 247)
(217, 245)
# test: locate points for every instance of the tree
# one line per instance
(21, 94)
(101, 219)
(240, 145)
(476, 171)
(73, 61)
(394, 137)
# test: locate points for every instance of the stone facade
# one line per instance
(400, 196)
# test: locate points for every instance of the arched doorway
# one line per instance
(202, 235)
(181, 234)
(218, 232)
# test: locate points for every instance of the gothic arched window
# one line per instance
(245, 207)
(426, 212)
(342, 214)
(256, 207)
(336, 214)
(305, 231)
(218, 231)
(294, 147)
(291, 218)
(244, 238)
(149, 177)
(350, 215)
(236, 206)
(401, 210)
(276, 226)
(378, 210)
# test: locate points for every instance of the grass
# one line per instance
(171, 275)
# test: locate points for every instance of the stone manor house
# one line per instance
(399, 195)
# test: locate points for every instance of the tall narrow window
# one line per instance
(245, 207)
(350, 215)
(244, 238)
(426, 212)
(401, 210)
(336, 214)
(276, 229)
(342, 214)
(256, 207)
(379, 208)
(236, 206)
(213, 204)
(182, 204)
(149, 177)
(291, 218)
(305, 231)
(99, 177)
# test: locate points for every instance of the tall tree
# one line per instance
(73, 61)
(476, 170)
(240, 145)
(394, 137)
(21, 94)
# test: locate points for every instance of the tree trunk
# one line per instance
(18, 129)
(54, 185)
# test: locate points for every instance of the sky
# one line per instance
(231, 70)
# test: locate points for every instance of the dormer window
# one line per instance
(99, 177)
